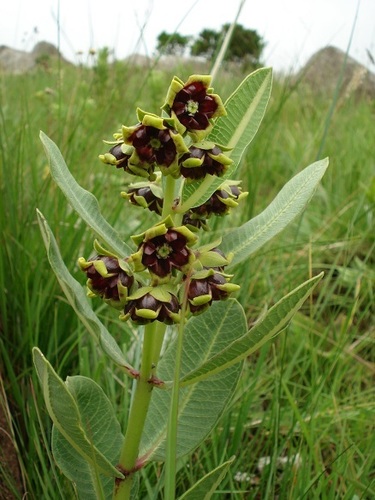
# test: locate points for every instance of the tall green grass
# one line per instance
(301, 420)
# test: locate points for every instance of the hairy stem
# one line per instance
(169, 196)
(152, 343)
(171, 449)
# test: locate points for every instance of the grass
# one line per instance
(301, 420)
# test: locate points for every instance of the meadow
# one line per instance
(301, 422)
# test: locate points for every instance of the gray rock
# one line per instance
(325, 68)
(18, 61)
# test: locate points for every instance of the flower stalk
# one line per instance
(152, 343)
(169, 276)
(172, 429)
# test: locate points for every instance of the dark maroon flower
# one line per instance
(203, 291)
(163, 248)
(221, 201)
(193, 104)
(165, 252)
(199, 295)
(200, 161)
(154, 145)
(146, 197)
(121, 157)
(155, 142)
(193, 107)
(194, 221)
(148, 307)
(107, 278)
(118, 155)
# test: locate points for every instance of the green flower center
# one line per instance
(164, 251)
(192, 107)
(155, 143)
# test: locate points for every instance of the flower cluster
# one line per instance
(168, 268)
(220, 202)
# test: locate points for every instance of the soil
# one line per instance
(9, 466)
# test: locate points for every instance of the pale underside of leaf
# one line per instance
(78, 300)
(288, 204)
(63, 410)
(104, 430)
(270, 325)
(83, 202)
(245, 111)
(200, 405)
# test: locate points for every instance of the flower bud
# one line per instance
(122, 156)
(194, 221)
(146, 195)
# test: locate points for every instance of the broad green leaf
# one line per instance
(83, 202)
(206, 487)
(290, 202)
(64, 411)
(77, 297)
(245, 111)
(268, 327)
(103, 430)
(200, 405)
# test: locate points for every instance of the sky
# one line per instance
(292, 29)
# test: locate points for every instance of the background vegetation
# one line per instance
(245, 46)
(301, 420)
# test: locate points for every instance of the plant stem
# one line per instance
(171, 447)
(169, 195)
(152, 343)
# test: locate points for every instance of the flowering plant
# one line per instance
(166, 278)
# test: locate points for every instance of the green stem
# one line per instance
(152, 343)
(169, 196)
(171, 447)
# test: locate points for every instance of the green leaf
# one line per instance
(206, 487)
(245, 111)
(83, 202)
(64, 410)
(201, 405)
(77, 298)
(103, 430)
(290, 202)
(268, 327)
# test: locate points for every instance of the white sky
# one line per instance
(293, 29)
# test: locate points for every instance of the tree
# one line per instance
(245, 46)
(206, 44)
(172, 43)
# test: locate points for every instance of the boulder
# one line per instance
(324, 69)
(15, 61)
(19, 61)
